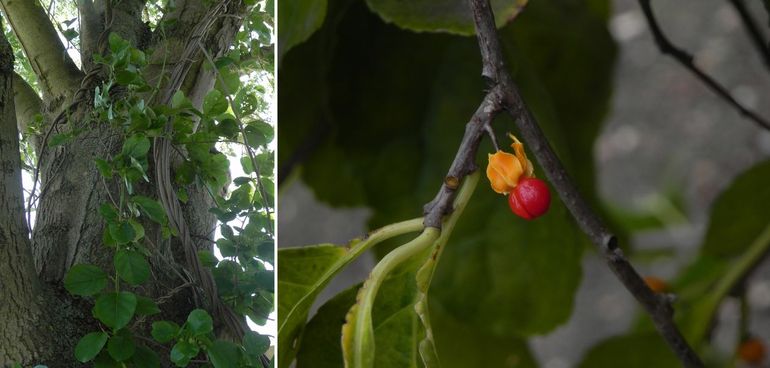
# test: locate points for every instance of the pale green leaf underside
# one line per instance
(306, 271)
(451, 16)
(401, 280)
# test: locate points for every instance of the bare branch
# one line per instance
(505, 96)
(463, 163)
(753, 30)
(28, 104)
(686, 59)
(56, 72)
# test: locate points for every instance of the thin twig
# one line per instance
(504, 95)
(753, 30)
(686, 59)
(464, 161)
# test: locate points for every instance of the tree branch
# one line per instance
(464, 161)
(19, 296)
(28, 104)
(754, 33)
(686, 59)
(91, 26)
(505, 96)
(56, 72)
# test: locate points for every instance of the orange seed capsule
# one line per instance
(505, 169)
(503, 172)
(752, 351)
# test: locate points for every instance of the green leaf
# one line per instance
(125, 77)
(245, 102)
(737, 238)
(739, 214)
(207, 258)
(231, 78)
(214, 103)
(267, 130)
(136, 146)
(461, 345)
(146, 306)
(199, 322)
(121, 232)
(104, 167)
(121, 347)
(115, 309)
(325, 332)
(223, 354)
(132, 266)
(242, 180)
(164, 331)
(138, 230)
(452, 16)
(228, 128)
(90, 345)
(299, 19)
(146, 358)
(109, 212)
(117, 43)
(632, 351)
(254, 137)
(255, 344)
(183, 352)
(151, 208)
(180, 101)
(246, 164)
(85, 280)
(305, 271)
(70, 34)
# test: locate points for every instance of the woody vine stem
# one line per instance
(503, 95)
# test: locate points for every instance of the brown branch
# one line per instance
(686, 59)
(28, 104)
(463, 163)
(55, 71)
(21, 307)
(91, 26)
(753, 30)
(504, 95)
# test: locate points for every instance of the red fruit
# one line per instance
(530, 198)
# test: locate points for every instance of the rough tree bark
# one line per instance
(39, 321)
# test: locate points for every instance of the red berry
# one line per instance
(530, 198)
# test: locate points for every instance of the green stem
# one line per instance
(425, 273)
(363, 331)
(359, 321)
(734, 275)
(375, 237)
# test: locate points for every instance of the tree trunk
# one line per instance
(41, 321)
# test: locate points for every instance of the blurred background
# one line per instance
(668, 147)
